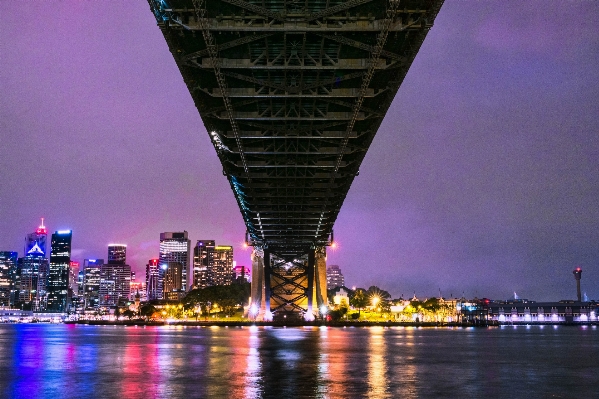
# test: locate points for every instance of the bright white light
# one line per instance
(268, 315)
(164, 267)
(63, 231)
(323, 309)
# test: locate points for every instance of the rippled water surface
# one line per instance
(72, 361)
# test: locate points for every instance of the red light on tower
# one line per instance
(42, 228)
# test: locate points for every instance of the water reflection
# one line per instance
(47, 361)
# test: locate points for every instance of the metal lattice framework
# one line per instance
(292, 93)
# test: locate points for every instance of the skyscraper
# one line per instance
(58, 278)
(29, 290)
(203, 259)
(221, 272)
(115, 277)
(32, 272)
(117, 254)
(174, 255)
(115, 284)
(212, 264)
(35, 243)
(334, 277)
(91, 283)
(153, 288)
(8, 266)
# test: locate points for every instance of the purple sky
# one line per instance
(483, 179)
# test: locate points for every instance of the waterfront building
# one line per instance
(117, 254)
(174, 262)
(203, 260)
(334, 277)
(90, 288)
(153, 283)
(531, 312)
(8, 266)
(58, 278)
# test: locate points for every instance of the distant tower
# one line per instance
(577, 274)
(334, 277)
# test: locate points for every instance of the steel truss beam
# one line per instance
(292, 94)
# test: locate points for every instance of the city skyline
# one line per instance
(482, 178)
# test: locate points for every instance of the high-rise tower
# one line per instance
(58, 278)
(153, 288)
(174, 255)
(91, 283)
(203, 260)
(35, 243)
(31, 276)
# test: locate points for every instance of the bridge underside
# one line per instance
(292, 93)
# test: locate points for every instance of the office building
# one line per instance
(203, 260)
(153, 283)
(8, 266)
(30, 279)
(174, 262)
(58, 278)
(117, 254)
(29, 290)
(213, 264)
(90, 287)
(115, 284)
(334, 277)
(221, 272)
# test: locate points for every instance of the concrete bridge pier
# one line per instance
(320, 274)
(259, 308)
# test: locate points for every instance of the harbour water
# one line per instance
(79, 361)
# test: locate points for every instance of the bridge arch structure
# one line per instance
(292, 93)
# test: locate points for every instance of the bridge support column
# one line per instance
(309, 316)
(320, 274)
(258, 305)
(267, 269)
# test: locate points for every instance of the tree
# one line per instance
(129, 314)
(359, 300)
(147, 311)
